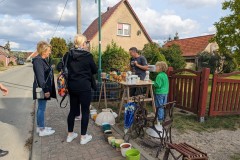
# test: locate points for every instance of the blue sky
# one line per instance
(25, 22)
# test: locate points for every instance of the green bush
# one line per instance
(173, 55)
(115, 57)
(1, 64)
(95, 53)
(209, 60)
(55, 61)
(152, 54)
(11, 63)
(230, 63)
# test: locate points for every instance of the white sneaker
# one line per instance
(47, 128)
(86, 139)
(46, 132)
(72, 137)
(78, 118)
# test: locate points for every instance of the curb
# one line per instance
(36, 144)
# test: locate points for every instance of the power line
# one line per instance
(60, 19)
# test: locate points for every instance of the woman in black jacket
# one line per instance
(81, 68)
(43, 78)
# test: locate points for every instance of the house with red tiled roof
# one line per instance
(190, 47)
(120, 24)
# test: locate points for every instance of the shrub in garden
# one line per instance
(115, 57)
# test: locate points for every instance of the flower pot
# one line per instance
(106, 126)
(124, 147)
(118, 142)
(110, 139)
(133, 154)
(107, 133)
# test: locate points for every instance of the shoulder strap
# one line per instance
(63, 100)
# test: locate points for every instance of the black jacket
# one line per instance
(42, 70)
(81, 68)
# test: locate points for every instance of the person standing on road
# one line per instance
(81, 68)
(5, 92)
(138, 64)
(43, 78)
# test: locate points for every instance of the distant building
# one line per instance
(5, 57)
(120, 24)
(190, 47)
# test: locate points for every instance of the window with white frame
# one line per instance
(123, 29)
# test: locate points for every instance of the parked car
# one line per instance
(20, 62)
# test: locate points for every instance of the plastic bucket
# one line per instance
(124, 148)
(133, 154)
(106, 126)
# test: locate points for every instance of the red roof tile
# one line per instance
(191, 46)
(92, 30)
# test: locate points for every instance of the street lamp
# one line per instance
(99, 41)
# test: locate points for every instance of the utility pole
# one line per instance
(99, 41)
(79, 17)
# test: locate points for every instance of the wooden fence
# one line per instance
(225, 95)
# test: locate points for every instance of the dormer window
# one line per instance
(123, 29)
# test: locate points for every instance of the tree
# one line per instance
(7, 46)
(59, 47)
(152, 54)
(115, 57)
(228, 32)
(212, 61)
(173, 55)
(70, 44)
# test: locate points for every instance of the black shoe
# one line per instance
(3, 153)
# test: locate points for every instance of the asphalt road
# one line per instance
(15, 112)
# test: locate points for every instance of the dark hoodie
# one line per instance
(42, 70)
(81, 68)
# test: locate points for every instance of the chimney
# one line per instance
(109, 8)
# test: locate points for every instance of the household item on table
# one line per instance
(105, 116)
(124, 147)
(132, 79)
(132, 154)
(153, 133)
(110, 139)
(147, 76)
(151, 68)
(103, 75)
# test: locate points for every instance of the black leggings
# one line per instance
(77, 99)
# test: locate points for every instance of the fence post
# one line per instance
(170, 94)
(203, 93)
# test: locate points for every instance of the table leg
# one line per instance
(100, 94)
(105, 95)
(152, 96)
(121, 103)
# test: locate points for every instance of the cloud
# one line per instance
(196, 3)
(161, 25)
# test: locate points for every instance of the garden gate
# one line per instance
(189, 90)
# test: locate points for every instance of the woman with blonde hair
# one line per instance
(81, 67)
(161, 85)
(43, 78)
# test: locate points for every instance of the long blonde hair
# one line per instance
(79, 40)
(42, 46)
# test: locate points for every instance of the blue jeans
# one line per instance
(160, 100)
(41, 112)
